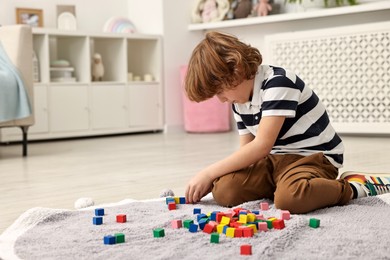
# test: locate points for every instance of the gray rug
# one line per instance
(359, 230)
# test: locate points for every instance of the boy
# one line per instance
(289, 151)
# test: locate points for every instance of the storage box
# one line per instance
(204, 117)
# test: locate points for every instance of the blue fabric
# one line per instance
(14, 102)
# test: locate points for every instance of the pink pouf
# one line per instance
(207, 116)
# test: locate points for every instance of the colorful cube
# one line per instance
(169, 200)
(209, 227)
(243, 218)
(200, 216)
(97, 220)
(197, 210)
(109, 240)
(171, 205)
(177, 223)
(119, 238)
(158, 232)
(121, 218)
(278, 224)
(182, 200)
(202, 223)
(314, 223)
(230, 232)
(238, 232)
(264, 206)
(285, 215)
(262, 226)
(99, 212)
(193, 228)
(246, 249)
(225, 220)
(214, 238)
(247, 232)
(220, 228)
(187, 223)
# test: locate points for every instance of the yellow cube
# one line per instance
(177, 200)
(225, 220)
(253, 226)
(243, 219)
(220, 228)
(251, 217)
(230, 232)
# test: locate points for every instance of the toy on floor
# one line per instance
(246, 249)
(314, 223)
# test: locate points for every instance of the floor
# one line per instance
(139, 166)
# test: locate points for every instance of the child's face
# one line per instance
(240, 94)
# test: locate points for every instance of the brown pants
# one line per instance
(296, 183)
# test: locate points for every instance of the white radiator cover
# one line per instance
(348, 68)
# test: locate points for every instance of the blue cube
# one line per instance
(109, 240)
(197, 211)
(193, 228)
(200, 216)
(97, 220)
(224, 229)
(99, 212)
(202, 223)
(182, 200)
(169, 200)
(213, 216)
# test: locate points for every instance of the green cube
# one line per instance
(187, 223)
(214, 238)
(119, 238)
(314, 223)
(269, 224)
(158, 232)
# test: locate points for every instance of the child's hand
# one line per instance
(198, 187)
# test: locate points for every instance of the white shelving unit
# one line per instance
(317, 13)
(114, 105)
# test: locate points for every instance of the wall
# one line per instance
(171, 18)
(91, 14)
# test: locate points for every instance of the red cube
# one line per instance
(246, 249)
(172, 206)
(247, 232)
(121, 218)
(278, 224)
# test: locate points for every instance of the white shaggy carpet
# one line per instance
(359, 230)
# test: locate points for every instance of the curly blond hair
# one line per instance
(218, 62)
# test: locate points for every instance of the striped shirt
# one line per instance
(306, 129)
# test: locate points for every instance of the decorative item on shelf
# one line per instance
(66, 17)
(32, 17)
(119, 25)
(67, 21)
(129, 76)
(35, 67)
(241, 8)
(209, 11)
(61, 71)
(148, 77)
(265, 7)
(305, 5)
(97, 67)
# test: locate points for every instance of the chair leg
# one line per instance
(25, 142)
